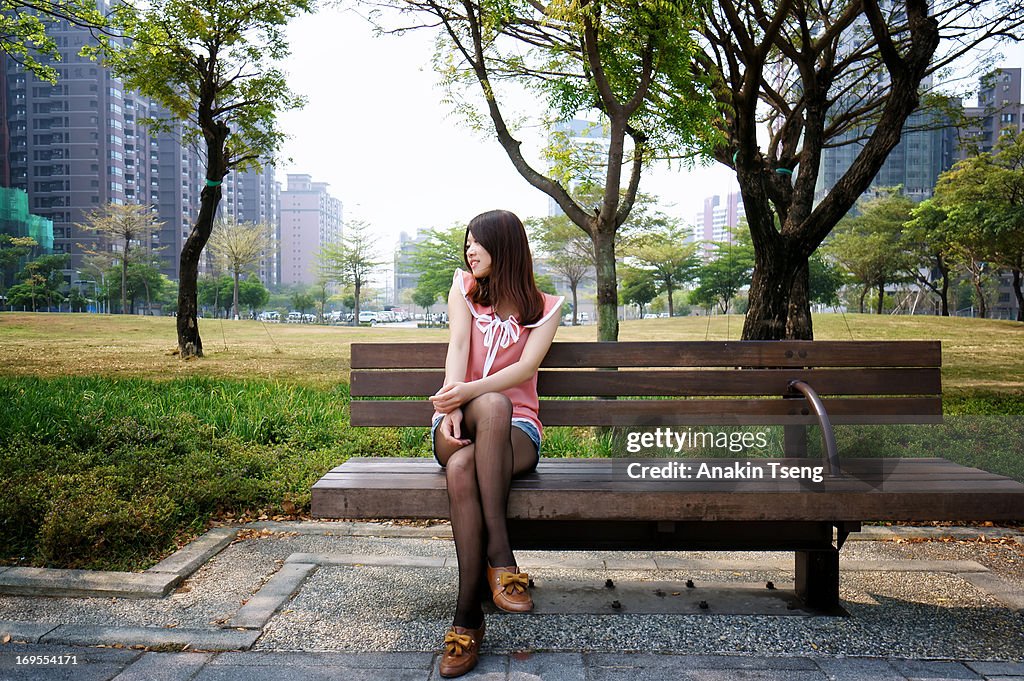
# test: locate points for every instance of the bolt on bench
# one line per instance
(592, 504)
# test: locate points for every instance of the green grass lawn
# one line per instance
(113, 450)
(978, 355)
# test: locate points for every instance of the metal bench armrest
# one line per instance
(831, 457)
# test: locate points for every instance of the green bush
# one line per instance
(111, 474)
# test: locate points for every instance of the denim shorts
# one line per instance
(525, 425)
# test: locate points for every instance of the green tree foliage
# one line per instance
(661, 249)
(774, 127)
(252, 294)
(627, 66)
(121, 227)
(41, 282)
(727, 271)
(638, 288)
(926, 240)
(23, 31)
(983, 199)
(826, 278)
(302, 301)
(567, 252)
(869, 245)
(422, 297)
(13, 251)
(351, 262)
(210, 64)
(238, 248)
(435, 260)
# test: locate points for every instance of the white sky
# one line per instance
(375, 129)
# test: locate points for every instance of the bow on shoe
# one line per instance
(518, 581)
(457, 644)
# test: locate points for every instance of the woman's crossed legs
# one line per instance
(479, 476)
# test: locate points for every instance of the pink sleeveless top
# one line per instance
(496, 343)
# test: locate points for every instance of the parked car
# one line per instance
(294, 317)
(270, 316)
(367, 316)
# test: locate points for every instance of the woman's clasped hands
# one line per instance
(448, 401)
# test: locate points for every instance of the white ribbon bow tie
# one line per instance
(491, 325)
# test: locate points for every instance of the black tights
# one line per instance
(479, 476)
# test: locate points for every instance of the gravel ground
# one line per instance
(366, 608)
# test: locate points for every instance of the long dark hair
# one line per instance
(511, 281)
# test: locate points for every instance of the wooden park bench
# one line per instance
(593, 504)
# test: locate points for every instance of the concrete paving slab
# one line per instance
(365, 559)
(28, 581)
(196, 639)
(997, 668)
(303, 673)
(255, 658)
(546, 667)
(164, 667)
(534, 562)
(714, 662)
(81, 664)
(28, 632)
(932, 670)
(1010, 595)
(858, 669)
(278, 590)
(189, 558)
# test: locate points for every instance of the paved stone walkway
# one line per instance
(85, 626)
(99, 664)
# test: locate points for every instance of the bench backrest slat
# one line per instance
(677, 354)
(860, 382)
(670, 382)
(679, 412)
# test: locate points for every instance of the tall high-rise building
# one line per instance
(310, 219)
(927, 147)
(79, 145)
(717, 219)
(1000, 110)
(175, 175)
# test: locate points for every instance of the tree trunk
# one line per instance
(357, 286)
(863, 295)
(1018, 294)
(190, 344)
(880, 307)
(982, 308)
(124, 279)
(607, 303)
(671, 311)
(234, 302)
(944, 291)
(769, 296)
(573, 285)
(798, 317)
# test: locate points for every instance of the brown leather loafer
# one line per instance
(510, 588)
(461, 650)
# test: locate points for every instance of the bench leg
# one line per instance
(817, 578)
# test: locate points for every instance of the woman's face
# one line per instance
(478, 257)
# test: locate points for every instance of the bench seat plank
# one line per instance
(931, 489)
